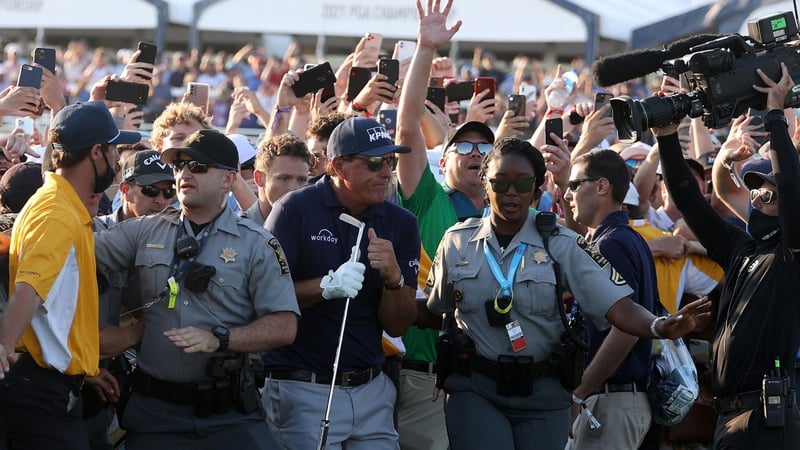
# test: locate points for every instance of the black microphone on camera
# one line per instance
(610, 70)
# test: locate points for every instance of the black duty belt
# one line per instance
(344, 379)
(609, 388)
(420, 366)
(739, 402)
(489, 368)
(176, 393)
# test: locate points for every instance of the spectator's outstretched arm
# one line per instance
(431, 33)
(726, 174)
(286, 100)
(645, 178)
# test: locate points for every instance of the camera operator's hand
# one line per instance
(666, 130)
(776, 92)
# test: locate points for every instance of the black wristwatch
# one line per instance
(772, 116)
(394, 287)
(224, 336)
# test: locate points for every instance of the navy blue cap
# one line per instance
(82, 125)
(362, 136)
(755, 173)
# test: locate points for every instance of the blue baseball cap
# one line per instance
(362, 136)
(755, 173)
(82, 125)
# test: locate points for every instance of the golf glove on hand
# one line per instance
(345, 282)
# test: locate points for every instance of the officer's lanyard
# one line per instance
(179, 266)
(505, 282)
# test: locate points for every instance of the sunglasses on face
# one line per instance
(765, 195)
(375, 163)
(465, 148)
(152, 191)
(195, 166)
(573, 185)
(521, 185)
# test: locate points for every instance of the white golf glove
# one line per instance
(345, 282)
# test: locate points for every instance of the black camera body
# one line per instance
(721, 74)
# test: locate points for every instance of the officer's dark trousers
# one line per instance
(34, 411)
(746, 430)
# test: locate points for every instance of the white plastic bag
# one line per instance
(673, 386)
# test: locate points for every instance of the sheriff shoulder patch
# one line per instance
(280, 257)
(595, 255)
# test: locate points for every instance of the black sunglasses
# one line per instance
(196, 167)
(765, 195)
(521, 185)
(375, 163)
(465, 148)
(152, 191)
(573, 185)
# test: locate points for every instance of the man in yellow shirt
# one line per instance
(51, 317)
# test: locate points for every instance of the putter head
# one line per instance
(347, 218)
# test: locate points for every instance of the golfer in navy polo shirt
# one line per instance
(381, 285)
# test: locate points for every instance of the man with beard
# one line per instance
(757, 331)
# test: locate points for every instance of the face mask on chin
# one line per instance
(763, 227)
(102, 182)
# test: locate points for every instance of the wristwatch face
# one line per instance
(221, 332)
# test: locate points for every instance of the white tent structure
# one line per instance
(77, 14)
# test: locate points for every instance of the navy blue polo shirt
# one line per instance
(306, 223)
(629, 254)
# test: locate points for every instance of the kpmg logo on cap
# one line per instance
(378, 133)
(324, 235)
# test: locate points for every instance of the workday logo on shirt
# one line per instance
(324, 235)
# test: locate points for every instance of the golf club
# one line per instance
(325, 424)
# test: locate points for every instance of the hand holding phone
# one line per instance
(314, 79)
(45, 57)
(484, 83)
(358, 79)
(147, 54)
(198, 94)
(436, 95)
(516, 103)
(390, 68)
(601, 99)
(555, 126)
(127, 92)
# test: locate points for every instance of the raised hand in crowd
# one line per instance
(133, 118)
(138, 72)
(322, 109)
(285, 101)
(442, 66)
(377, 90)
(51, 91)
(18, 101)
(481, 107)
(14, 146)
(511, 125)
(596, 127)
(364, 55)
(236, 113)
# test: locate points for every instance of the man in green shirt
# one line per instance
(421, 423)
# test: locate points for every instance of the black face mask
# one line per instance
(102, 182)
(763, 227)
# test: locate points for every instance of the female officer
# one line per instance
(496, 274)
